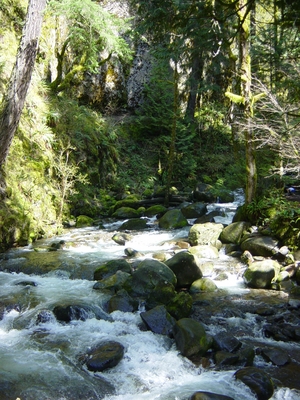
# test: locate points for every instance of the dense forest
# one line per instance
(106, 99)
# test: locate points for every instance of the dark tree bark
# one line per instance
(14, 99)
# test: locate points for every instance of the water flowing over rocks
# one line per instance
(82, 312)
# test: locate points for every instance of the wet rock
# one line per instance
(113, 283)
(203, 285)
(79, 312)
(224, 358)
(121, 301)
(205, 251)
(257, 380)
(209, 396)
(130, 252)
(223, 341)
(173, 219)
(110, 268)
(106, 355)
(186, 267)
(277, 356)
(181, 305)
(190, 337)
(234, 232)
(203, 192)
(207, 233)
(125, 213)
(45, 316)
(148, 274)
(257, 245)
(155, 210)
(84, 221)
(194, 210)
(260, 274)
(121, 238)
(26, 283)
(134, 224)
(162, 294)
(158, 320)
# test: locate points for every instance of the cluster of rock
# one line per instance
(162, 289)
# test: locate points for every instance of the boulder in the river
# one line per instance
(162, 293)
(121, 301)
(190, 337)
(205, 251)
(275, 355)
(157, 209)
(223, 341)
(134, 224)
(110, 268)
(207, 233)
(194, 210)
(121, 238)
(113, 283)
(186, 267)
(125, 213)
(68, 313)
(234, 232)
(181, 305)
(203, 285)
(148, 274)
(173, 219)
(104, 356)
(84, 221)
(209, 396)
(260, 274)
(257, 380)
(258, 245)
(225, 358)
(158, 320)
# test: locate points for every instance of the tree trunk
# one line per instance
(14, 99)
(244, 13)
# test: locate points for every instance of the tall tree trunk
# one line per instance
(195, 76)
(244, 13)
(14, 99)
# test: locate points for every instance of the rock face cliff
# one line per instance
(118, 86)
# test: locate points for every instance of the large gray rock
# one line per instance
(147, 276)
(186, 267)
(110, 268)
(257, 380)
(173, 219)
(158, 320)
(257, 245)
(207, 233)
(104, 356)
(260, 274)
(205, 251)
(190, 337)
(194, 210)
(234, 232)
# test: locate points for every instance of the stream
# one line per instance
(40, 356)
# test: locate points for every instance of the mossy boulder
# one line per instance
(194, 210)
(173, 219)
(257, 380)
(125, 213)
(181, 305)
(113, 283)
(207, 233)
(190, 337)
(234, 232)
(110, 268)
(104, 356)
(259, 245)
(260, 274)
(203, 285)
(134, 224)
(186, 267)
(155, 210)
(148, 274)
(83, 221)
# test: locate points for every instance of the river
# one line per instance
(40, 358)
